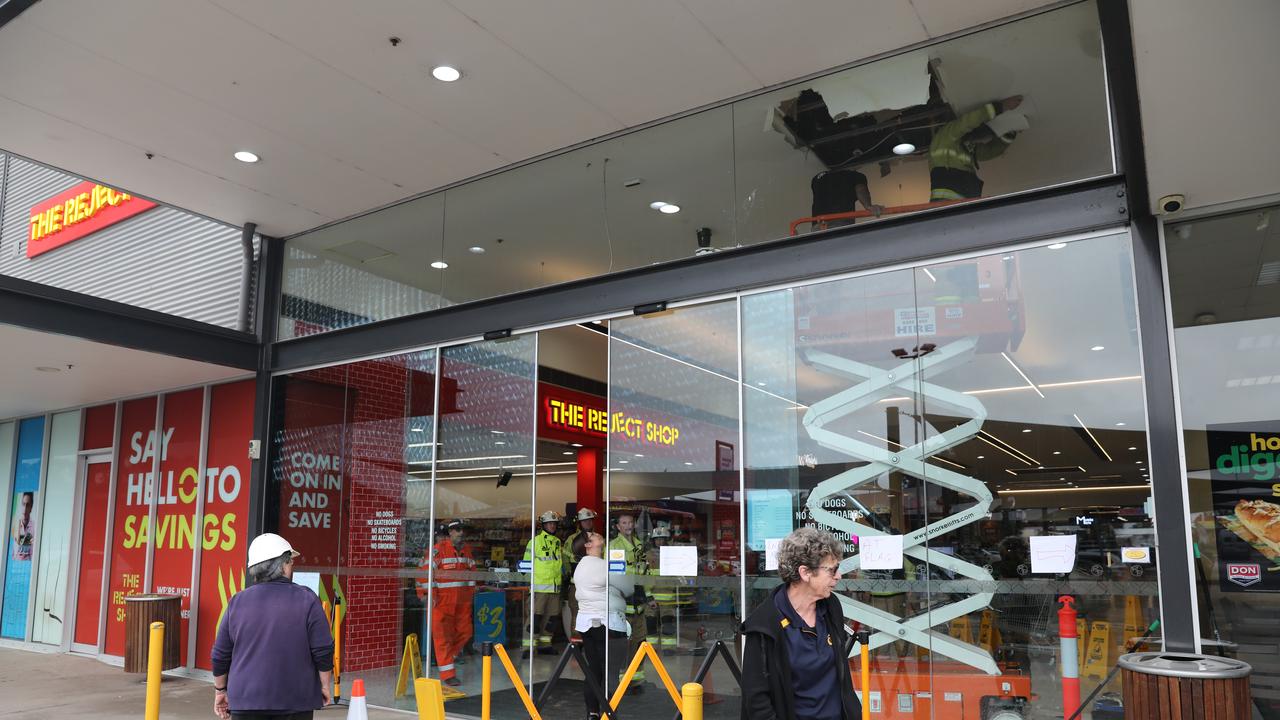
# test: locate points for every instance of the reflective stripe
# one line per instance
(423, 585)
(945, 194)
(449, 561)
(547, 558)
(545, 588)
(445, 668)
(459, 583)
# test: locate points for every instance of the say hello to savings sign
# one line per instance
(77, 213)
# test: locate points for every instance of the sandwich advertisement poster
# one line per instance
(1246, 502)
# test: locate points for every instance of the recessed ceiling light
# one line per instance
(567, 452)
(416, 430)
(445, 73)
(1119, 424)
(500, 442)
(980, 457)
(498, 432)
(761, 383)
(657, 204)
(688, 463)
(245, 156)
(1139, 462)
(639, 455)
(476, 249)
(49, 369)
(905, 148)
(1057, 452)
(669, 209)
(1057, 246)
(623, 462)
(576, 444)
(439, 264)
(1097, 348)
(1133, 448)
(1026, 430)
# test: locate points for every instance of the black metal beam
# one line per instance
(48, 309)
(979, 226)
(1173, 548)
(266, 314)
(12, 9)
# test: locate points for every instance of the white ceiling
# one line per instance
(97, 372)
(1210, 99)
(345, 122)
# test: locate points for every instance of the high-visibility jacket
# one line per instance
(570, 562)
(547, 555)
(445, 563)
(953, 164)
(633, 551)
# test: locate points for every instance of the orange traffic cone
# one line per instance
(358, 709)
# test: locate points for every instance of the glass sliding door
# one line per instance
(832, 400)
(482, 500)
(673, 493)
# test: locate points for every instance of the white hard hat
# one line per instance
(269, 546)
(549, 516)
(661, 532)
(586, 514)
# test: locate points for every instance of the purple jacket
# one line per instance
(273, 641)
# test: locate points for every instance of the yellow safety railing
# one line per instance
(430, 698)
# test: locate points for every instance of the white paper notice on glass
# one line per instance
(1053, 553)
(880, 552)
(678, 560)
(308, 579)
(771, 546)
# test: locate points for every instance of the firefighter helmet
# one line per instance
(550, 516)
(585, 514)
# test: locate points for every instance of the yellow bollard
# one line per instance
(155, 661)
(866, 681)
(691, 701)
(486, 681)
(430, 699)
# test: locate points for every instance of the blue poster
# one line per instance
(769, 516)
(21, 541)
(490, 617)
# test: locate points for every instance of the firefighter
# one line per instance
(451, 597)
(959, 145)
(633, 551)
(586, 521)
(545, 553)
(665, 592)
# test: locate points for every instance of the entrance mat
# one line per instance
(566, 703)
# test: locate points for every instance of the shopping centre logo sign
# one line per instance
(79, 212)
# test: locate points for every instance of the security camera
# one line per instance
(1170, 204)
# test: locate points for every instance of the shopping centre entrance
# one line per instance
(983, 413)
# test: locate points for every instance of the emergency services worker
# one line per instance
(586, 521)
(451, 599)
(545, 552)
(633, 551)
(960, 145)
(664, 591)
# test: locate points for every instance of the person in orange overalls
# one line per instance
(451, 598)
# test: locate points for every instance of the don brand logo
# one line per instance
(1244, 574)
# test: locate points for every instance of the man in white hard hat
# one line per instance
(545, 553)
(273, 656)
(586, 520)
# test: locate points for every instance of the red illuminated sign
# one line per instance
(81, 211)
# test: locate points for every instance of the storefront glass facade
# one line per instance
(1226, 318)
(959, 405)
(741, 174)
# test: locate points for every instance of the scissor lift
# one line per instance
(912, 688)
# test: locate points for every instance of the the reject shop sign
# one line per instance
(81, 211)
